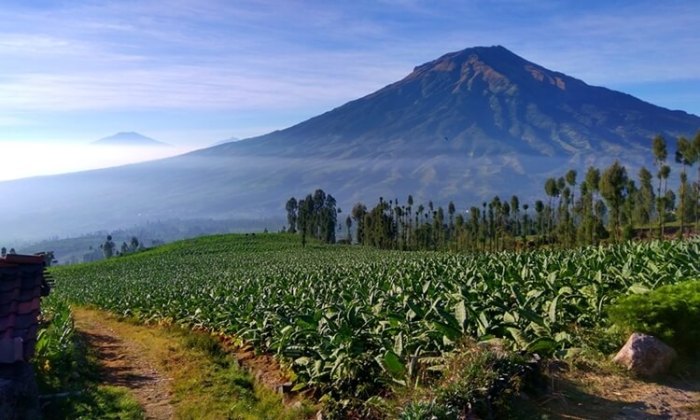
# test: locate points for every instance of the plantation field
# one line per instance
(352, 319)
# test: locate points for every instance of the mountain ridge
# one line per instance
(427, 80)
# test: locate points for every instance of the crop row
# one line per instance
(344, 316)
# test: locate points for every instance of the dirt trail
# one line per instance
(593, 395)
(124, 364)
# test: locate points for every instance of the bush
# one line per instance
(478, 382)
(53, 358)
(670, 313)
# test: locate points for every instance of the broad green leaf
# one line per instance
(638, 289)
(461, 313)
(393, 365)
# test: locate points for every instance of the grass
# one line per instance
(68, 374)
(206, 380)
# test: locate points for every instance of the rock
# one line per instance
(645, 355)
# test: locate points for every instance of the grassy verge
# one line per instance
(206, 381)
(68, 373)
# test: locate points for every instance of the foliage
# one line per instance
(315, 215)
(670, 313)
(353, 320)
(55, 341)
(478, 383)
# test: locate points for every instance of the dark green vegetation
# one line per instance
(354, 321)
(315, 216)
(671, 313)
(476, 382)
(68, 374)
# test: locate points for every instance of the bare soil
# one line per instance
(612, 395)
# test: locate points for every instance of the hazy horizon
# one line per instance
(40, 158)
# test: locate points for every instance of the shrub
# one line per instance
(55, 345)
(670, 313)
(478, 382)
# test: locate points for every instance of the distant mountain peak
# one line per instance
(128, 138)
(501, 69)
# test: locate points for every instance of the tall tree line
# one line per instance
(315, 215)
(605, 204)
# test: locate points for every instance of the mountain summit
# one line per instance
(483, 101)
(128, 139)
(465, 127)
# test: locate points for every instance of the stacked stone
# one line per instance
(21, 279)
(22, 283)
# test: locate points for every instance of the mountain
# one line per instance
(228, 140)
(478, 102)
(465, 127)
(128, 139)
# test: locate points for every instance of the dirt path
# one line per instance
(124, 364)
(591, 395)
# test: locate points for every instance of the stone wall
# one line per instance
(22, 283)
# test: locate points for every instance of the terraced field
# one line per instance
(354, 319)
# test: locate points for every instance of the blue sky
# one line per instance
(193, 72)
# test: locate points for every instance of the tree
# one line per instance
(451, 209)
(108, 247)
(644, 199)
(552, 190)
(291, 208)
(590, 223)
(571, 182)
(134, 244)
(685, 155)
(348, 225)
(515, 209)
(358, 215)
(305, 215)
(660, 154)
(613, 185)
(539, 208)
(696, 147)
(328, 219)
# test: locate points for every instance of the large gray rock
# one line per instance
(645, 355)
